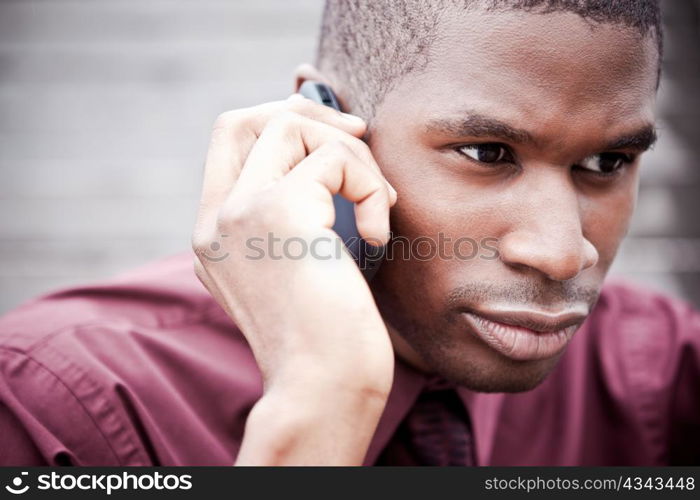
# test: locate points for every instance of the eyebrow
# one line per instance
(639, 141)
(478, 125)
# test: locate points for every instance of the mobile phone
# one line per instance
(368, 257)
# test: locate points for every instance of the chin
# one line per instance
(482, 376)
(475, 365)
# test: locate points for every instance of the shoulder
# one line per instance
(643, 346)
(637, 318)
(161, 293)
(634, 345)
(156, 311)
(642, 351)
(76, 363)
(640, 334)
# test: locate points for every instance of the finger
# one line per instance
(286, 141)
(234, 134)
(337, 169)
(296, 103)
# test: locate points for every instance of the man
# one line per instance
(515, 125)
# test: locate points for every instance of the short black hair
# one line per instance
(370, 44)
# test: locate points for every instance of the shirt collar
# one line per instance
(483, 409)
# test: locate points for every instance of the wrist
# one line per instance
(306, 376)
(305, 424)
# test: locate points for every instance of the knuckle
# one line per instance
(362, 150)
(375, 183)
(227, 125)
(284, 124)
(233, 215)
(379, 186)
(285, 120)
(347, 151)
(338, 147)
(226, 119)
(197, 244)
(301, 106)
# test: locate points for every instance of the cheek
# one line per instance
(434, 218)
(606, 218)
(433, 200)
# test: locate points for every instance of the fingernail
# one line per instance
(295, 97)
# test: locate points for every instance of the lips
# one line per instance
(524, 336)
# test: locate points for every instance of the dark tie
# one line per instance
(436, 431)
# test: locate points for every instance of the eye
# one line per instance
(606, 164)
(486, 153)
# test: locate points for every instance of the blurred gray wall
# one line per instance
(663, 248)
(106, 107)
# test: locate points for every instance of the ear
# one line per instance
(305, 72)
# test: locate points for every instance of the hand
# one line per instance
(312, 324)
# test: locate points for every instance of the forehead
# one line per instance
(538, 67)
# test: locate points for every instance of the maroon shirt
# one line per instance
(148, 370)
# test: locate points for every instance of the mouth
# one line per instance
(524, 335)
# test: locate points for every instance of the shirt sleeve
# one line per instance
(44, 422)
(24, 439)
(16, 445)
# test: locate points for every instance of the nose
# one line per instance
(547, 232)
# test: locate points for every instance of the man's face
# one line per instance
(520, 142)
